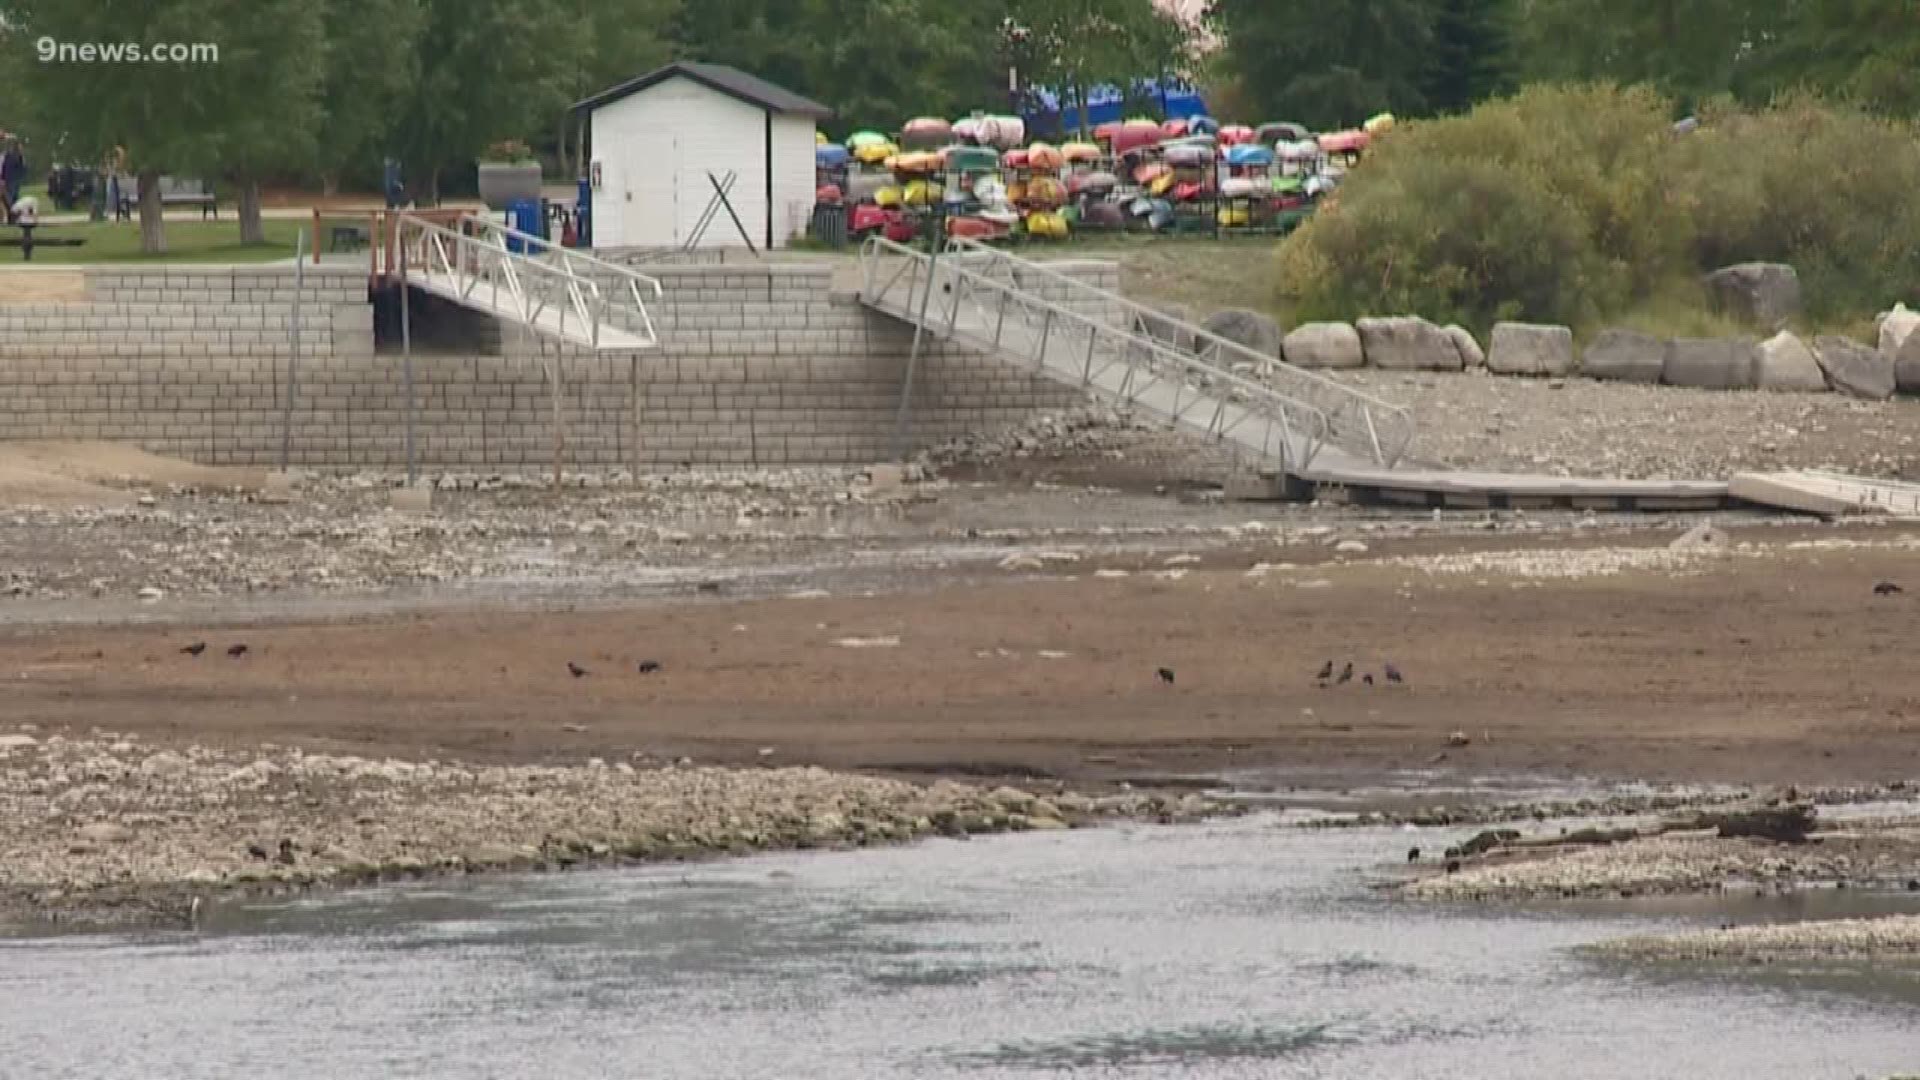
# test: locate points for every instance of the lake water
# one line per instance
(1227, 950)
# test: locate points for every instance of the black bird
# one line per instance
(237, 650)
(1367, 678)
(195, 649)
(1346, 674)
(1453, 866)
(1394, 676)
(1166, 675)
(286, 851)
(575, 669)
(257, 852)
(1326, 671)
(1413, 854)
(648, 667)
(1887, 588)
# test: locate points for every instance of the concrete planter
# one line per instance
(501, 182)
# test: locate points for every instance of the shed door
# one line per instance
(652, 196)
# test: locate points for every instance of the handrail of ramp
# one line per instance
(1361, 424)
(540, 279)
(1111, 360)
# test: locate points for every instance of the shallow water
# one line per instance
(1227, 950)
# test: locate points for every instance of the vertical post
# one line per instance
(406, 356)
(559, 415)
(293, 361)
(919, 332)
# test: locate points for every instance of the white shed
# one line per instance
(656, 139)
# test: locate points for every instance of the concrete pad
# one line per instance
(1829, 494)
(279, 487)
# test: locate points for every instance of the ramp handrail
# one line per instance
(478, 253)
(1221, 405)
(1360, 423)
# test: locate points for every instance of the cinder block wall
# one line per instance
(760, 365)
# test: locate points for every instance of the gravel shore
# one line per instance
(1893, 938)
(1883, 853)
(103, 830)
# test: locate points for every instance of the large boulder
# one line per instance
(1711, 363)
(1625, 356)
(1530, 349)
(1249, 328)
(1787, 364)
(1406, 343)
(1471, 355)
(1895, 327)
(1765, 295)
(1853, 369)
(1323, 345)
(1906, 365)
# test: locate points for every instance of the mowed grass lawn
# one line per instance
(187, 242)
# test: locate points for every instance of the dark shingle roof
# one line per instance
(730, 81)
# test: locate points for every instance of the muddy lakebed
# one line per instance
(1282, 942)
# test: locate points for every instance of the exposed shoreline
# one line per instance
(105, 832)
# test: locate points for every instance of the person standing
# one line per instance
(16, 169)
(26, 214)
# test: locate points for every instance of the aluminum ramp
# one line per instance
(1285, 418)
(557, 292)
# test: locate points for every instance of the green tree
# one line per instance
(1472, 54)
(1329, 64)
(278, 44)
(372, 64)
(250, 110)
(1688, 49)
(609, 41)
(1074, 45)
(489, 70)
(1864, 50)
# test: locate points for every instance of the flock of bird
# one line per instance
(1325, 677)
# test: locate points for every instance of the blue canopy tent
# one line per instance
(1050, 111)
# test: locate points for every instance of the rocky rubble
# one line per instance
(94, 826)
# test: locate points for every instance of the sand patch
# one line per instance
(64, 474)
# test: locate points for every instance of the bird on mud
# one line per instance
(237, 650)
(1413, 855)
(1325, 673)
(1393, 674)
(575, 669)
(648, 667)
(1367, 679)
(286, 856)
(195, 649)
(1166, 675)
(1346, 675)
(1887, 588)
(1453, 866)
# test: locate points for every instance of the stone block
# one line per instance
(1786, 364)
(1323, 345)
(1407, 343)
(1530, 349)
(1711, 363)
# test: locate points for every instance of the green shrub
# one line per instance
(1552, 205)
(1826, 188)
(1577, 204)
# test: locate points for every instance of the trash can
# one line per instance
(524, 215)
(583, 213)
(830, 224)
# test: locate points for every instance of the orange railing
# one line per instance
(381, 238)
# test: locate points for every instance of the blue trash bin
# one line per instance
(583, 214)
(524, 215)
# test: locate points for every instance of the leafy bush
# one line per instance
(1551, 205)
(1578, 204)
(1826, 188)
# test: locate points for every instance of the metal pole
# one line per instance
(293, 361)
(919, 332)
(406, 350)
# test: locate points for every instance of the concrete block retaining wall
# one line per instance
(757, 366)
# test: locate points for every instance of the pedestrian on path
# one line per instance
(25, 213)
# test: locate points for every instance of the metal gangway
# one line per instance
(557, 292)
(1302, 423)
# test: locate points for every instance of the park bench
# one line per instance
(174, 191)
